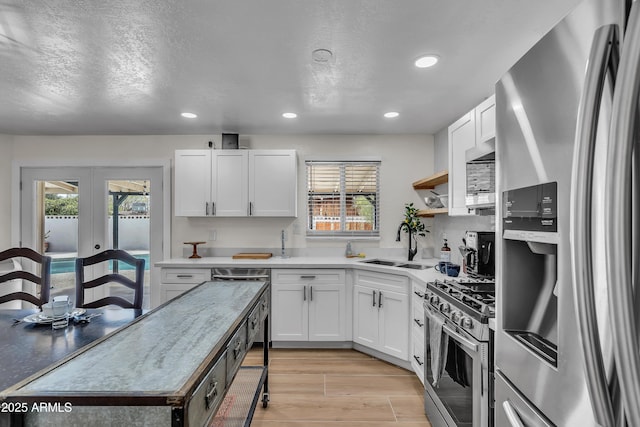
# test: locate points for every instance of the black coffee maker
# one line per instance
(479, 254)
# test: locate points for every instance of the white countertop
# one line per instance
(425, 275)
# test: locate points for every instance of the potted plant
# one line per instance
(412, 225)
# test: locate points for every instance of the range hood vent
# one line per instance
(485, 151)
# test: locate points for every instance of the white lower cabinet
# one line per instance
(175, 281)
(308, 305)
(380, 313)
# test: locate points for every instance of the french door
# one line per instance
(79, 211)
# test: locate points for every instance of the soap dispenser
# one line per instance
(348, 252)
(445, 253)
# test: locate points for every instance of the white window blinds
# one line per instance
(343, 198)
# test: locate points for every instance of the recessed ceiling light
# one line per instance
(426, 61)
(189, 115)
(391, 114)
(289, 115)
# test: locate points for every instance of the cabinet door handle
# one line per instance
(212, 393)
(310, 293)
(213, 208)
(379, 299)
(304, 293)
(418, 360)
(237, 349)
(308, 277)
(206, 208)
(250, 208)
(420, 294)
(418, 322)
(374, 298)
(184, 276)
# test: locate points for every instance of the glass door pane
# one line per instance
(55, 207)
(59, 201)
(128, 213)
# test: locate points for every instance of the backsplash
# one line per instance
(453, 228)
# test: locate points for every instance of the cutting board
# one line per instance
(250, 255)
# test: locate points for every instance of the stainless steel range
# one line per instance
(459, 352)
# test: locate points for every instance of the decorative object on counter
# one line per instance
(441, 267)
(413, 226)
(252, 255)
(452, 269)
(195, 248)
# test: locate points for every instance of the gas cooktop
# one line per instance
(475, 296)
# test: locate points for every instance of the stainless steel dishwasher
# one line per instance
(244, 274)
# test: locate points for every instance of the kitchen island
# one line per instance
(172, 366)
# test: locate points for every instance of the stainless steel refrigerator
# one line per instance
(566, 344)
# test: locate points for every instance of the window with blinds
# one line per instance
(343, 198)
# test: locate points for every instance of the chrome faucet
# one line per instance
(412, 252)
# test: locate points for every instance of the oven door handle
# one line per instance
(469, 345)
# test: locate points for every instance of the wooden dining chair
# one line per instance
(108, 256)
(43, 281)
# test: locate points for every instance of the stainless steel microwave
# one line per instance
(481, 176)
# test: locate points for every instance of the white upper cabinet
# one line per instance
(272, 182)
(486, 120)
(228, 183)
(192, 182)
(462, 136)
(229, 177)
(475, 127)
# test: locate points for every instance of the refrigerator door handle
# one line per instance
(603, 56)
(618, 217)
(512, 414)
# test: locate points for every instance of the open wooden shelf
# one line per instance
(429, 213)
(430, 182)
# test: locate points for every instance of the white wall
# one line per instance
(6, 155)
(405, 158)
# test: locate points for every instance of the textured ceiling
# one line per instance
(131, 66)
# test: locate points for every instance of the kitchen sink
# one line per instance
(401, 264)
(380, 262)
(415, 266)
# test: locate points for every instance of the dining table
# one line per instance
(28, 345)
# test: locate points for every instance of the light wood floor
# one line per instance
(339, 388)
